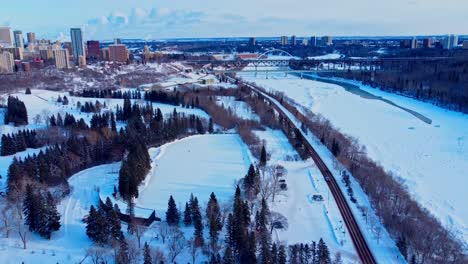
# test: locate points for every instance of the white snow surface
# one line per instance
(200, 165)
(239, 108)
(431, 159)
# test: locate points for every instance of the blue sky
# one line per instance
(107, 19)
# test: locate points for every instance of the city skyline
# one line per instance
(212, 19)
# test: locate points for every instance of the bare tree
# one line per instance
(37, 119)
(7, 219)
(22, 229)
(45, 113)
(194, 249)
(134, 253)
(176, 243)
(138, 231)
(269, 181)
(162, 230)
(157, 255)
(98, 255)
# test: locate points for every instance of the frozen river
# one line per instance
(422, 144)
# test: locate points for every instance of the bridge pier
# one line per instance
(302, 77)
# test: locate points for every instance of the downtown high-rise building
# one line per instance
(118, 53)
(78, 45)
(94, 50)
(7, 62)
(18, 36)
(62, 59)
(450, 42)
(294, 40)
(6, 37)
(313, 41)
(284, 40)
(31, 37)
(327, 41)
(252, 41)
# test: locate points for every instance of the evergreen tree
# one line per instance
(198, 224)
(30, 209)
(264, 234)
(172, 214)
(263, 157)
(187, 215)
(282, 255)
(213, 214)
(274, 254)
(228, 257)
(323, 253)
(210, 126)
(28, 91)
(147, 254)
(122, 256)
(53, 216)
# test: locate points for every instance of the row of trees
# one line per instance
(103, 224)
(19, 141)
(16, 112)
(108, 93)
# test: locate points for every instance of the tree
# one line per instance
(172, 214)
(323, 253)
(282, 255)
(210, 126)
(122, 255)
(28, 91)
(163, 230)
(193, 249)
(228, 257)
(197, 223)
(176, 244)
(337, 259)
(263, 157)
(53, 216)
(402, 246)
(147, 254)
(213, 214)
(187, 215)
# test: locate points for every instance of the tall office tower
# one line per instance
(94, 50)
(7, 62)
(305, 42)
(78, 46)
(62, 59)
(19, 41)
(284, 40)
(6, 38)
(118, 53)
(313, 41)
(294, 40)
(252, 41)
(327, 41)
(31, 37)
(117, 41)
(414, 43)
(450, 42)
(427, 43)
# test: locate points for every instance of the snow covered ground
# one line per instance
(44, 103)
(239, 108)
(208, 163)
(431, 159)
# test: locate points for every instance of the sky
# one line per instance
(150, 19)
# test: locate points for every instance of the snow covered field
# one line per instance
(198, 165)
(431, 159)
(44, 103)
(239, 108)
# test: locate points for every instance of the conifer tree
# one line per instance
(147, 254)
(263, 157)
(228, 257)
(172, 214)
(274, 254)
(53, 216)
(122, 256)
(210, 126)
(213, 214)
(187, 215)
(197, 223)
(282, 255)
(323, 252)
